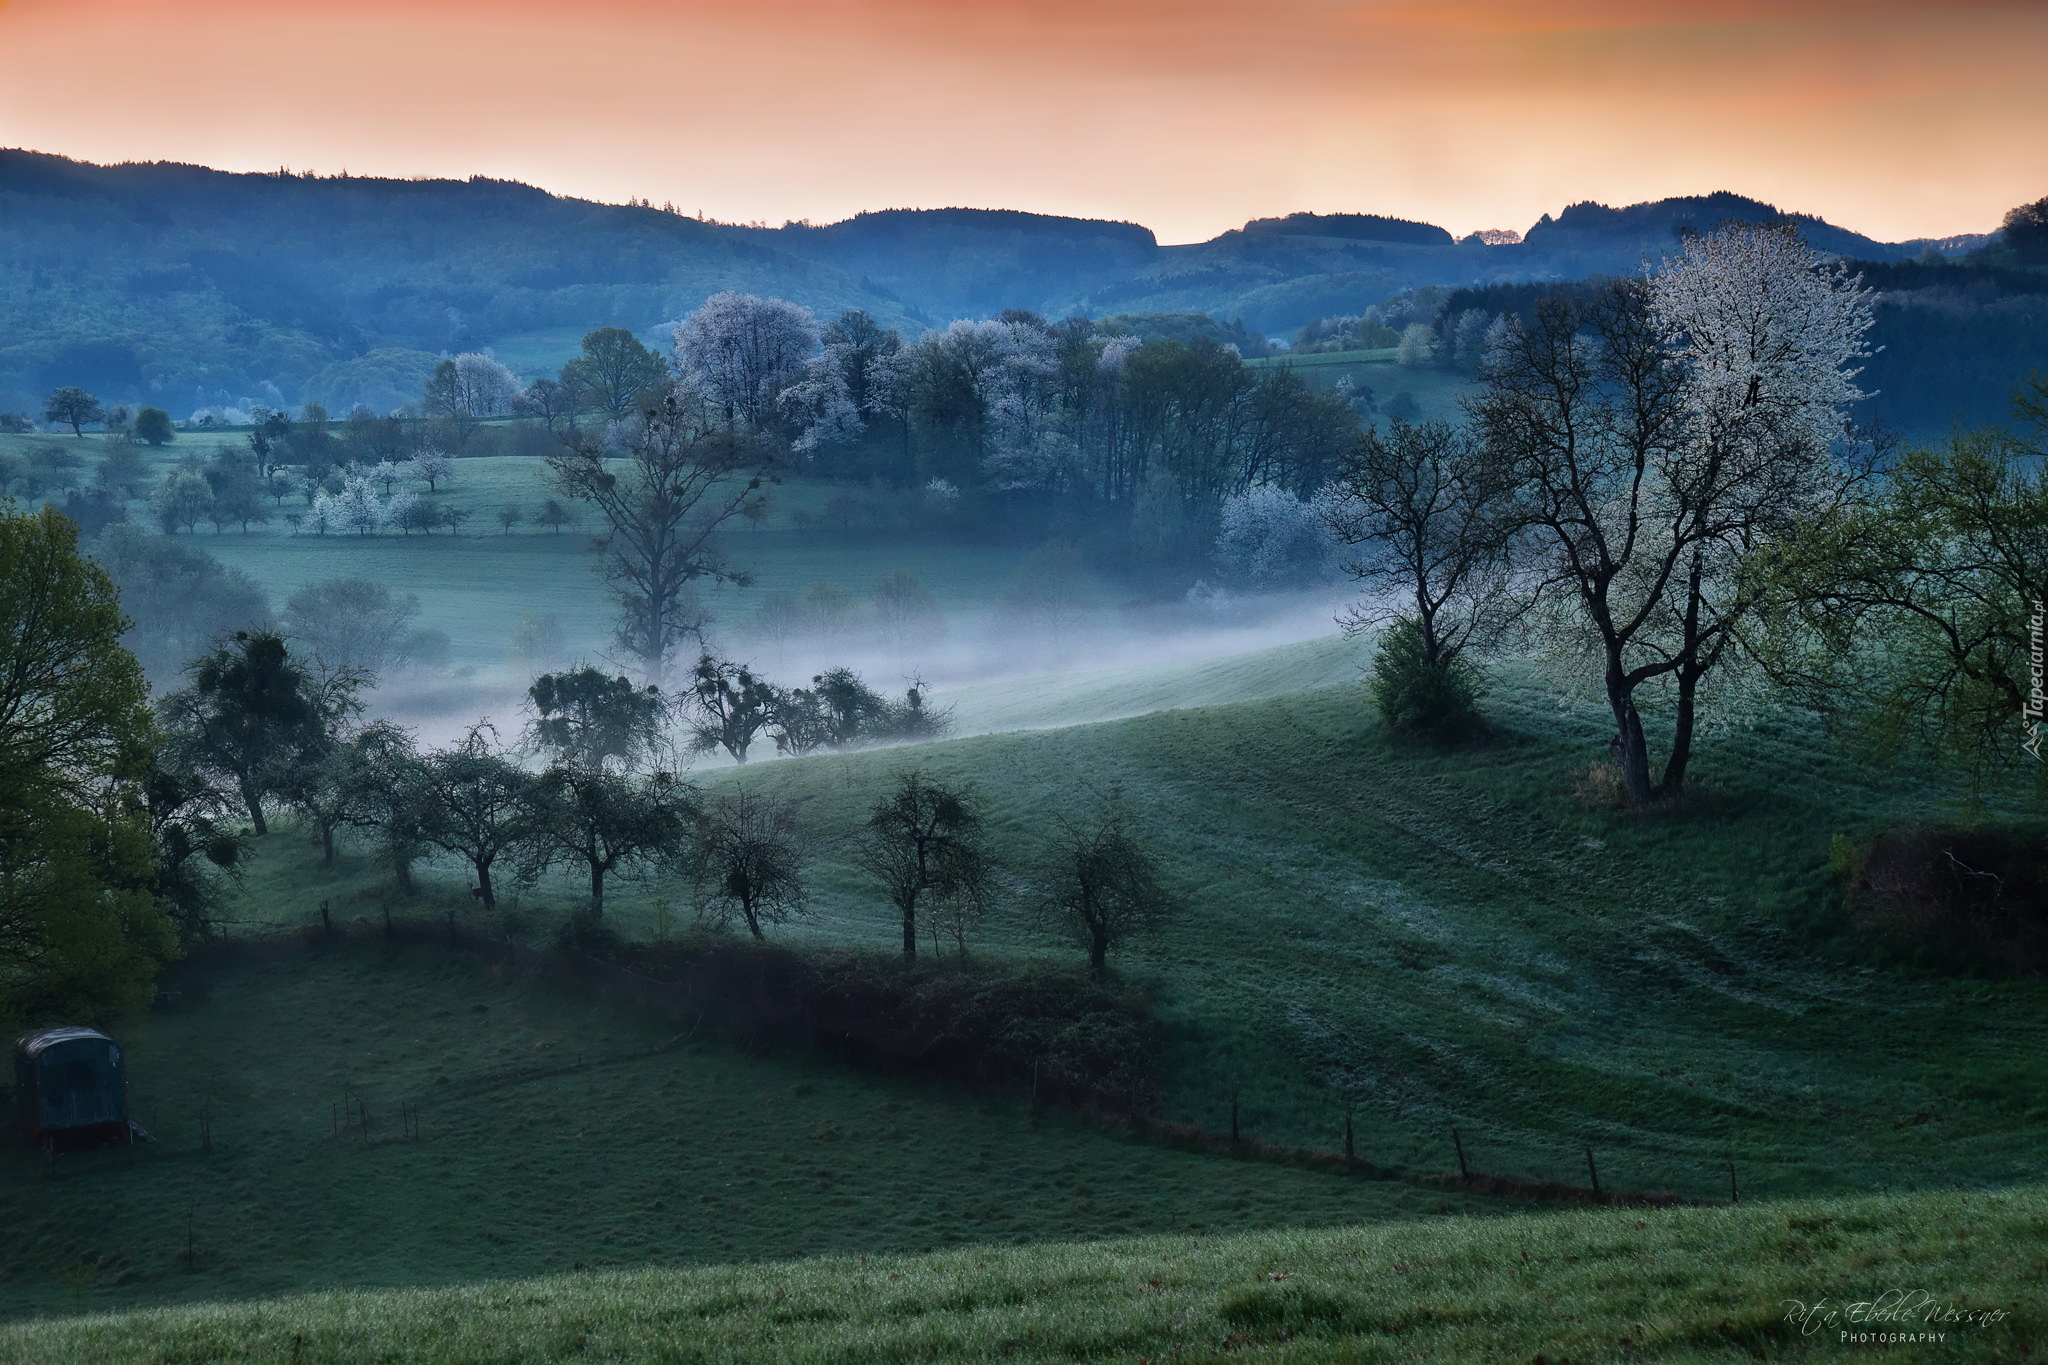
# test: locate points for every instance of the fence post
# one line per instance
(1233, 1117)
(1464, 1171)
(1593, 1170)
(1734, 1193)
(1349, 1155)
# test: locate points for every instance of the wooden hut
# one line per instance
(71, 1088)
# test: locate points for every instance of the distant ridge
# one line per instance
(190, 287)
(1590, 225)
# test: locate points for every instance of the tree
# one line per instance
(79, 927)
(1102, 884)
(537, 641)
(554, 405)
(730, 707)
(199, 854)
(308, 439)
(179, 599)
(123, 471)
(352, 623)
(73, 407)
(589, 720)
(681, 482)
(153, 425)
(606, 821)
(433, 468)
(252, 716)
(383, 795)
(234, 490)
(510, 516)
(180, 499)
(1051, 590)
(271, 439)
(554, 515)
(614, 374)
(1662, 436)
(747, 861)
(473, 801)
(1432, 516)
(350, 783)
(907, 613)
(923, 842)
(743, 351)
(1913, 612)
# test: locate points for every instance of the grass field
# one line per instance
(555, 1132)
(1432, 392)
(1425, 940)
(1797, 1281)
(1432, 940)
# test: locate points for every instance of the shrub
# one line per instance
(1978, 896)
(1437, 698)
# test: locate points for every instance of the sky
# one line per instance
(1899, 118)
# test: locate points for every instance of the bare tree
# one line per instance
(605, 822)
(1102, 884)
(730, 705)
(682, 480)
(1431, 517)
(475, 802)
(748, 861)
(923, 843)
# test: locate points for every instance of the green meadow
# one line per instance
(1425, 941)
(1960, 1275)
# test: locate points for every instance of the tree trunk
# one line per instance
(1688, 688)
(1630, 752)
(327, 845)
(1098, 955)
(1681, 737)
(253, 799)
(910, 932)
(597, 890)
(483, 885)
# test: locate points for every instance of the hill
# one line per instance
(1686, 1285)
(185, 287)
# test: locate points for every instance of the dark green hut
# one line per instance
(71, 1088)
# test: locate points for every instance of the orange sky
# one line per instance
(1899, 119)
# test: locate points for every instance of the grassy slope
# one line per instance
(1434, 940)
(1679, 1285)
(626, 1147)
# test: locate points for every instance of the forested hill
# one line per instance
(188, 287)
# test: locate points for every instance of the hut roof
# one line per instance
(31, 1045)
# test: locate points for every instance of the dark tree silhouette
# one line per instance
(923, 841)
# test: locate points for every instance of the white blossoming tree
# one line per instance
(741, 352)
(1662, 437)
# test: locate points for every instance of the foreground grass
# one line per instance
(551, 1131)
(1678, 1285)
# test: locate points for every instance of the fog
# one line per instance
(990, 671)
